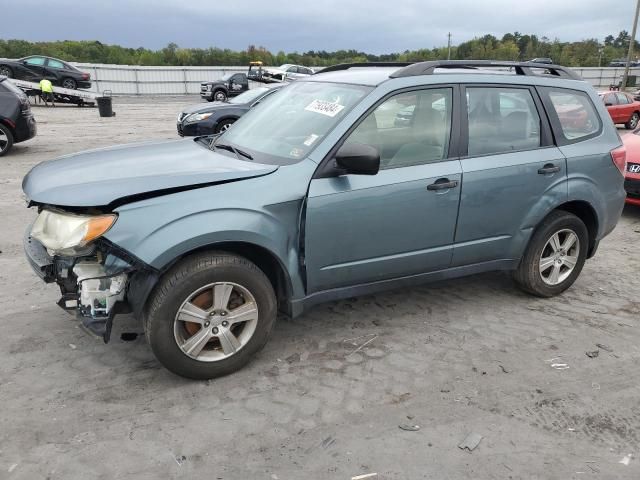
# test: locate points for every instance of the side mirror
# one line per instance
(358, 158)
(608, 104)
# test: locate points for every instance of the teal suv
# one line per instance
(362, 178)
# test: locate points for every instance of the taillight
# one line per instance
(619, 157)
(85, 76)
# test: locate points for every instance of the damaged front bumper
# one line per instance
(97, 284)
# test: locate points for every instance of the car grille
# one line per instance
(632, 187)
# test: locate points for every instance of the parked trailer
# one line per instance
(80, 98)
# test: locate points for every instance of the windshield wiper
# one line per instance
(231, 148)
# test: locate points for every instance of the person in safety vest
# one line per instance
(47, 91)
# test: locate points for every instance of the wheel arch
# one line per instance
(585, 212)
(261, 256)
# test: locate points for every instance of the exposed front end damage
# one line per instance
(96, 284)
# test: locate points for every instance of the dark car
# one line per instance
(35, 68)
(17, 123)
(216, 118)
(230, 85)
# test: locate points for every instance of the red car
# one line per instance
(622, 108)
(632, 175)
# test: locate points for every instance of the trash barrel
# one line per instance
(104, 104)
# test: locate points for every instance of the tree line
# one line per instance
(512, 46)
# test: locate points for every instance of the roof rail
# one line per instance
(346, 66)
(521, 68)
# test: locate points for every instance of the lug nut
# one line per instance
(207, 323)
(225, 323)
(215, 330)
(223, 313)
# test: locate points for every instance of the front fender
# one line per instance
(161, 230)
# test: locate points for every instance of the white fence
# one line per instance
(135, 80)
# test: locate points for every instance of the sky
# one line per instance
(373, 26)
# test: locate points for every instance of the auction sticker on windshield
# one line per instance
(330, 109)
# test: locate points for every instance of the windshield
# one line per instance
(287, 127)
(226, 77)
(250, 95)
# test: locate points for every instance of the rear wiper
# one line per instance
(233, 149)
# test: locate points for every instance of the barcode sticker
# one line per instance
(323, 107)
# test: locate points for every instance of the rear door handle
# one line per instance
(548, 168)
(443, 184)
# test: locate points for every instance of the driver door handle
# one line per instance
(443, 184)
(548, 168)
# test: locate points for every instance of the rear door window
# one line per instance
(502, 119)
(55, 64)
(609, 99)
(575, 117)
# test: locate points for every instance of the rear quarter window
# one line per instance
(576, 119)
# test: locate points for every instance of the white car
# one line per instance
(286, 72)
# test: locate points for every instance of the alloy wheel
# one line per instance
(220, 96)
(225, 127)
(633, 122)
(215, 321)
(5, 71)
(4, 141)
(69, 83)
(559, 257)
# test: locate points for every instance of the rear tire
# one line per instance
(555, 255)
(228, 343)
(6, 71)
(633, 121)
(69, 83)
(6, 139)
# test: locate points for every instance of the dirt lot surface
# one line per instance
(326, 397)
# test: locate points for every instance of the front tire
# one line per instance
(555, 255)
(224, 126)
(220, 96)
(210, 315)
(6, 139)
(633, 121)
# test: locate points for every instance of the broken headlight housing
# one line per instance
(63, 233)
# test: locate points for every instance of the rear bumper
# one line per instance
(83, 84)
(26, 128)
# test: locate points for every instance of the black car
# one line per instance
(230, 85)
(36, 68)
(216, 118)
(17, 123)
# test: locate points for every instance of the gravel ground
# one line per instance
(325, 399)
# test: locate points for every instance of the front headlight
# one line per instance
(197, 117)
(61, 233)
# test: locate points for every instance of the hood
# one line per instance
(117, 175)
(204, 107)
